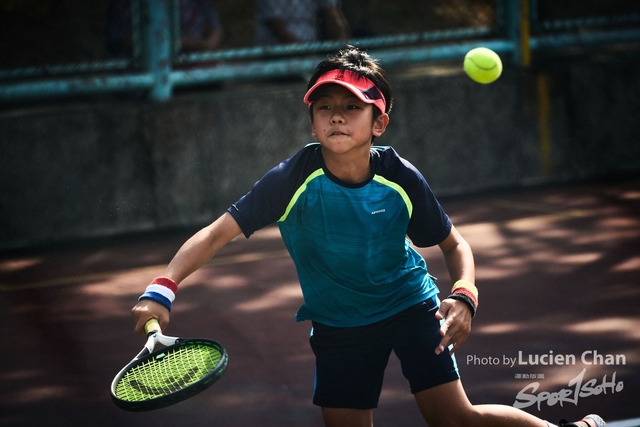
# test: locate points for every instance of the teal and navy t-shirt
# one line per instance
(349, 242)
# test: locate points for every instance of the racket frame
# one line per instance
(154, 336)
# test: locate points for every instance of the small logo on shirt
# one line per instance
(378, 211)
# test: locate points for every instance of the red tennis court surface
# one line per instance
(557, 330)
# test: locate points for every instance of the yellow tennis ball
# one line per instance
(482, 65)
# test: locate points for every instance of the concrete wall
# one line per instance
(111, 166)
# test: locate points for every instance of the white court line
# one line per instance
(634, 422)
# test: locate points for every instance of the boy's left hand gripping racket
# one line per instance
(157, 379)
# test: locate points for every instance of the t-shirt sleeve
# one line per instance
(429, 224)
(268, 199)
(260, 206)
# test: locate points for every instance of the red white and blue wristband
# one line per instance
(466, 292)
(161, 290)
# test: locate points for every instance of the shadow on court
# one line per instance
(557, 329)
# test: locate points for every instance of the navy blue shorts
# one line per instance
(350, 362)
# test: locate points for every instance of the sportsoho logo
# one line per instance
(579, 387)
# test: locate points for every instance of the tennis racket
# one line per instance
(178, 371)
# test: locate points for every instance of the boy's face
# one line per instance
(342, 122)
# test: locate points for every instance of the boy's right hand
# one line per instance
(148, 309)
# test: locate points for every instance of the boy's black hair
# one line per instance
(353, 59)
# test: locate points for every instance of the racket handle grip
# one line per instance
(152, 326)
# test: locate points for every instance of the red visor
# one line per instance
(361, 87)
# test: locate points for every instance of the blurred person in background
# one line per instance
(358, 14)
(200, 27)
(298, 21)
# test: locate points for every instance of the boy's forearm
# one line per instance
(460, 263)
(192, 255)
(458, 257)
(201, 247)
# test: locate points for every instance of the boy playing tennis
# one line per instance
(345, 209)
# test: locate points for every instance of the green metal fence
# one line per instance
(446, 30)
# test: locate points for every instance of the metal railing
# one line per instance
(156, 66)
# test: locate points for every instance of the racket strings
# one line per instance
(168, 372)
